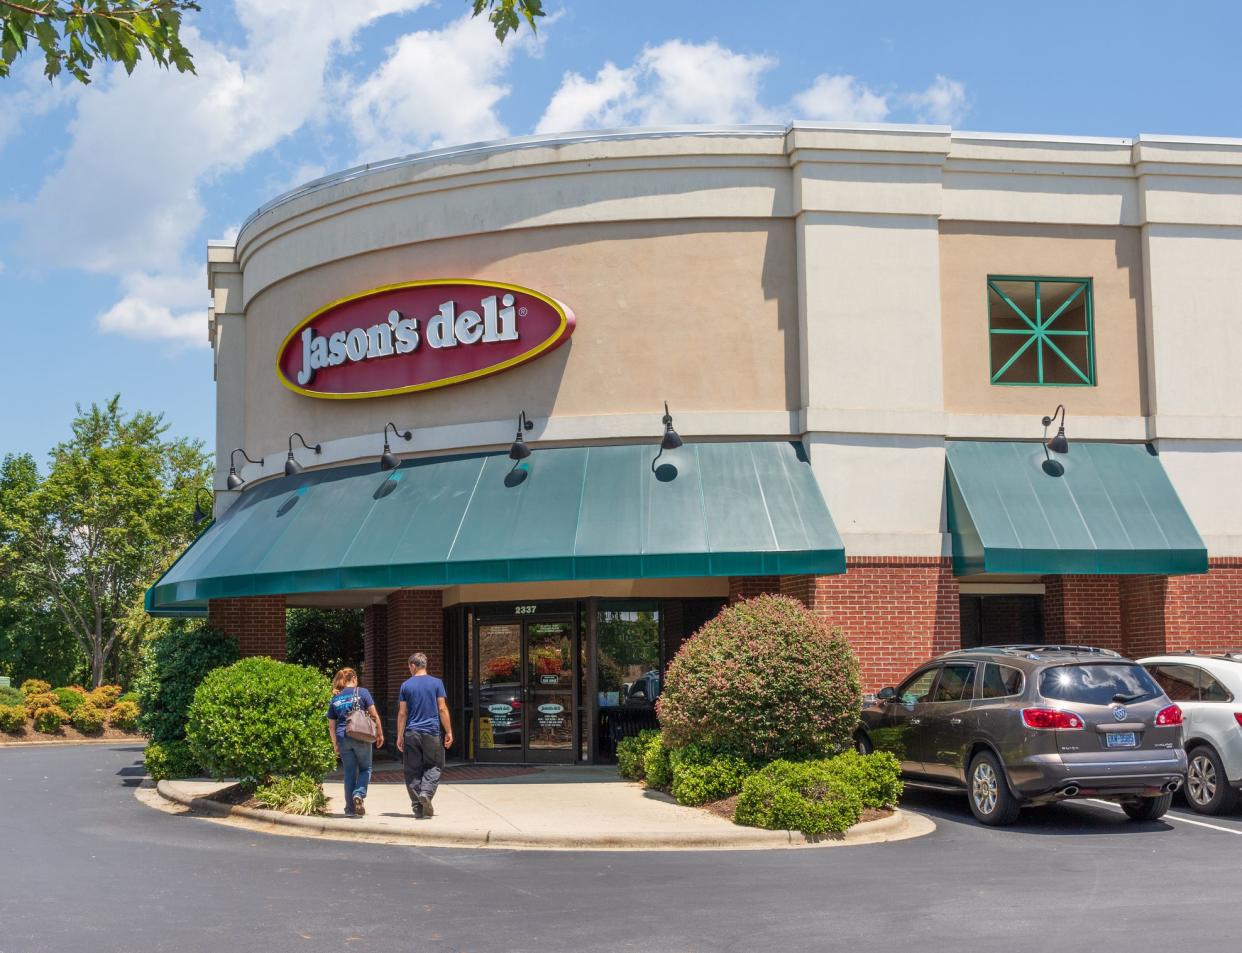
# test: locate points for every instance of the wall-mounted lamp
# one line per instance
(234, 481)
(519, 450)
(199, 513)
(292, 467)
(1057, 444)
(671, 439)
(388, 459)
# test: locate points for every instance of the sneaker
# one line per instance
(418, 811)
(425, 803)
(359, 807)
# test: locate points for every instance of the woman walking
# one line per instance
(354, 725)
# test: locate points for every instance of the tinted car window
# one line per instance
(1213, 691)
(917, 688)
(1000, 681)
(956, 682)
(1180, 682)
(1098, 684)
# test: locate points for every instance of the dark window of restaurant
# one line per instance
(1002, 620)
(628, 673)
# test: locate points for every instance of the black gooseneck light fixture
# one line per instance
(199, 513)
(671, 439)
(388, 459)
(1058, 444)
(234, 481)
(292, 467)
(519, 450)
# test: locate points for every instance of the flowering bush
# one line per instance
(765, 679)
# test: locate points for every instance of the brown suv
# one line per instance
(1031, 724)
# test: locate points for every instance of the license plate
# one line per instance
(1120, 739)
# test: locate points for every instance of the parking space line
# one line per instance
(1173, 817)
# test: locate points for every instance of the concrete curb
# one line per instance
(899, 826)
(61, 742)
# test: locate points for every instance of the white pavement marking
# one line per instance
(1174, 817)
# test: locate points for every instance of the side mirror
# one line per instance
(887, 694)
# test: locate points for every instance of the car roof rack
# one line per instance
(1040, 649)
(1229, 656)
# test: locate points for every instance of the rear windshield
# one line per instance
(1098, 684)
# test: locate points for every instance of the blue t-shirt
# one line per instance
(421, 694)
(342, 704)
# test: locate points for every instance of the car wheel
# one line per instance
(1207, 787)
(862, 744)
(1147, 808)
(991, 801)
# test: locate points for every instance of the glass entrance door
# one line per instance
(525, 704)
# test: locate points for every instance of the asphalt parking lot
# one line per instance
(87, 866)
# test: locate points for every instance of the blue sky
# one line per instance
(109, 194)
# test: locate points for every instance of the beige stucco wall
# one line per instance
(1112, 257)
(700, 313)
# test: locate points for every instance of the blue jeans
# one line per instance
(356, 762)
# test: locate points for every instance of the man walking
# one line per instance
(420, 716)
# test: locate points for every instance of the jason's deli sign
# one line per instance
(419, 335)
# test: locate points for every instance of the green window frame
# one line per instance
(1028, 347)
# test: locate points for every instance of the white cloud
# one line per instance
(943, 102)
(839, 99)
(675, 82)
(169, 307)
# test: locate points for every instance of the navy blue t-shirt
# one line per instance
(342, 704)
(421, 694)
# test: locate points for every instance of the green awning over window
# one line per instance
(707, 509)
(1111, 510)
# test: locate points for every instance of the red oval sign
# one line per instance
(419, 335)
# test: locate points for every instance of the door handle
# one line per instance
(955, 721)
(916, 721)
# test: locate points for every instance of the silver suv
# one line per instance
(1033, 724)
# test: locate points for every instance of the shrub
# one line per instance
(129, 697)
(124, 716)
(50, 719)
(12, 718)
(701, 775)
(259, 718)
(798, 796)
(765, 679)
(876, 777)
(104, 696)
(38, 700)
(630, 752)
(170, 759)
(35, 686)
(174, 666)
(68, 699)
(301, 794)
(88, 719)
(11, 696)
(657, 764)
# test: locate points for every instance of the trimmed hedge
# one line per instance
(37, 700)
(124, 716)
(35, 686)
(657, 763)
(49, 720)
(88, 718)
(301, 794)
(104, 696)
(259, 718)
(12, 718)
(764, 679)
(172, 669)
(68, 698)
(170, 759)
(631, 753)
(701, 775)
(11, 696)
(818, 797)
(876, 776)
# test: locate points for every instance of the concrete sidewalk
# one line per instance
(556, 808)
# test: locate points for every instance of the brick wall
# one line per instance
(257, 622)
(375, 651)
(1083, 610)
(896, 611)
(747, 587)
(415, 620)
(1204, 612)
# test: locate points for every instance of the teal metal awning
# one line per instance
(706, 509)
(1112, 509)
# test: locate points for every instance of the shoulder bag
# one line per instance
(359, 725)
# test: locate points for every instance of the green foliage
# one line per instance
(657, 764)
(259, 718)
(701, 775)
(325, 639)
(798, 796)
(73, 35)
(88, 719)
(129, 697)
(301, 794)
(876, 776)
(12, 718)
(35, 686)
(173, 667)
(104, 696)
(506, 16)
(765, 679)
(11, 696)
(631, 753)
(170, 759)
(69, 699)
(40, 700)
(50, 720)
(124, 716)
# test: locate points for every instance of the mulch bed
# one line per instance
(69, 733)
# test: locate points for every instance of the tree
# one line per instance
(114, 508)
(324, 639)
(74, 35)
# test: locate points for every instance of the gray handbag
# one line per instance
(359, 725)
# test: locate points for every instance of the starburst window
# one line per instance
(1040, 331)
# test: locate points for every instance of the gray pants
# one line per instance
(423, 760)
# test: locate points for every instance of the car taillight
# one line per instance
(1237, 716)
(1047, 718)
(1167, 717)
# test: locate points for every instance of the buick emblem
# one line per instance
(1119, 714)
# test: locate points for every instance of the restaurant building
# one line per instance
(859, 332)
